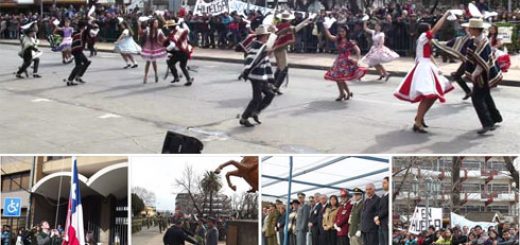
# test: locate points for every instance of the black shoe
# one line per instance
(418, 129)
(36, 76)
(246, 123)
(19, 76)
(127, 66)
(134, 66)
(175, 80)
(255, 118)
(467, 96)
(189, 82)
(423, 124)
(71, 83)
(156, 79)
(486, 129)
(79, 80)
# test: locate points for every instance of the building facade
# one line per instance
(43, 184)
(485, 185)
(221, 205)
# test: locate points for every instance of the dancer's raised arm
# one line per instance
(439, 24)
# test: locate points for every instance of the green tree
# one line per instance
(211, 183)
(137, 204)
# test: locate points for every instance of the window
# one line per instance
(15, 182)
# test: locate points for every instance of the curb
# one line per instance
(510, 83)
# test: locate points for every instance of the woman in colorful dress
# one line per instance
(378, 53)
(126, 46)
(424, 83)
(66, 42)
(503, 58)
(153, 49)
(344, 68)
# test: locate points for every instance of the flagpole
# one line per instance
(58, 201)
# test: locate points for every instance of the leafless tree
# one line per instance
(147, 195)
(189, 182)
(456, 184)
(511, 168)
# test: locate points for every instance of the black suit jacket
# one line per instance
(313, 217)
(383, 212)
(370, 210)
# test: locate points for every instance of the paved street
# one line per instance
(152, 236)
(115, 113)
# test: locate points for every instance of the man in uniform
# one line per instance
(354, 221)
(175, 235)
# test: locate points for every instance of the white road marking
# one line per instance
(109, 115)
(40, 100)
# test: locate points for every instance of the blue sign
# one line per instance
(12, 207)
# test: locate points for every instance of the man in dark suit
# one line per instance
(322, 234)
(314, 221)
(369, 229)
(176, 235)
(382, 217)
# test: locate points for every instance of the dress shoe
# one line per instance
(246, 123)
(486, 129)
(418, 129)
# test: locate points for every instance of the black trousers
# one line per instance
(484, 105)
(457, 75)
(182, 59)
(259, 101)
(343, 240)
(323, 237)
(81, 64)
(332, 237)
(370, 237)
(315, 235)
(27, 60)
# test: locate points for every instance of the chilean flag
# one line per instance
(74, 233)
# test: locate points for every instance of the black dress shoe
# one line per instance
(79, 80)
(127, 66)
(418, 129)
(486, 129)
(256, 119)
(71, 83)
(467, 96)
(134, 66)
(36, 76)
(19, 76)
(189, 82)
(246, 123)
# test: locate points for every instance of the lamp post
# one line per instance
(431, 187)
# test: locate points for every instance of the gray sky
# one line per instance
(158, 174)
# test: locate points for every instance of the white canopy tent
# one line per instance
(323, 174)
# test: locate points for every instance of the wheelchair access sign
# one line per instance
(12, 207)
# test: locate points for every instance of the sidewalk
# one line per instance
(317, 61)
(152, 236)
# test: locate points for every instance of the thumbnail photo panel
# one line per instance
(64, 200)
(194, 199)
(325, 200)
(455, 200)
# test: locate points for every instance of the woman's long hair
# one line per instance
(125, 26)
(337, 202)
(152, 31)
(493, 36)
(339, 39)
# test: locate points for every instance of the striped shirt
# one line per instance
(257, 64)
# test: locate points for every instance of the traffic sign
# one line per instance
(12, 207)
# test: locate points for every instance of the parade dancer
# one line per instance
(153, 46)
(92, 30)
(484, 74)
(80, 60)
(258, 70)
(457, 49)
(126, 46)
(503, 59)
(285, 37)
(29, 52)
(344, 68)
(66, 42)
(179, 51)
(424, 83)
(378, 53)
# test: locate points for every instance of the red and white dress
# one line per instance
(503, 58)
(378, 53)
(344, 68)
(424, 80)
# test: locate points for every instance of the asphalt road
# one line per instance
(115, 113)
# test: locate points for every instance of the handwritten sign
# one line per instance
(418, 222)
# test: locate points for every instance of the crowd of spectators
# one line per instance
(224, 31)
(502, 234)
